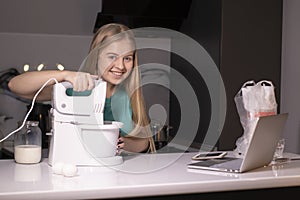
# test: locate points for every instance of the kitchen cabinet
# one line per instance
(244, 40)
(250, 49)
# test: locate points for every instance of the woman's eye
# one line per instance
(112, 57)
(128, 58)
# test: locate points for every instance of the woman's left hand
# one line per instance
(120, 145)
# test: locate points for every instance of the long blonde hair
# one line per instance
(132, 83)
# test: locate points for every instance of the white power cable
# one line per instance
(32, 104)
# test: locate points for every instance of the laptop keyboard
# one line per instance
(211, 162)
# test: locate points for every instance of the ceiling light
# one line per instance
(60, 67)
(40, 67)
(26, 67)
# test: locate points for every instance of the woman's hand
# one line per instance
(120, 145)
(81, 81)
(132, 144)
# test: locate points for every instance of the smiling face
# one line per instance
(116, 61)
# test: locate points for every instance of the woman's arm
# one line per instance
(27, 84)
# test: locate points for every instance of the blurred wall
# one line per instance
(42, 31)
(290, 82)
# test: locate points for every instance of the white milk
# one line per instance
(28, 154)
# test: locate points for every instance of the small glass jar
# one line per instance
(27, 144)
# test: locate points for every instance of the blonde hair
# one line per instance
(132, 83)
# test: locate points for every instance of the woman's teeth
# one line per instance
(117, 73)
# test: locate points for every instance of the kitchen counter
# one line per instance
(142, 175)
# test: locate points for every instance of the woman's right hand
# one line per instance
(81, 81)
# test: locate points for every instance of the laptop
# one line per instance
(260, 150)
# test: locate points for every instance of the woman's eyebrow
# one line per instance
(131, 53)
(125, 54)
(112, 53)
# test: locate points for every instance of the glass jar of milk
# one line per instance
(27, 144)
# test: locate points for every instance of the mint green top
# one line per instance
(118, 108)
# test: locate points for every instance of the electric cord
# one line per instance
(32, 104)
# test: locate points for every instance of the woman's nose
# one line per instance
(119, 63)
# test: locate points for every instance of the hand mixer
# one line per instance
(79, 135)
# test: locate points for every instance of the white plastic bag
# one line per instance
(253, 101)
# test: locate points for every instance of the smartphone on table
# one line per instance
(209, 155)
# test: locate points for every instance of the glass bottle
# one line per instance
(27, 144)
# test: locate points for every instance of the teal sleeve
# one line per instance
(122, 111)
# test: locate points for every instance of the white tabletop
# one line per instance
(138, 176)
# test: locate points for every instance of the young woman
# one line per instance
(113, 58)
